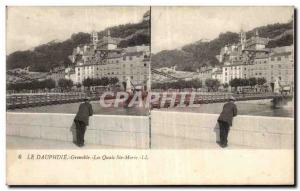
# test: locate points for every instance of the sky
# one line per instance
(27, 27)
(174, 27)
(171, 27)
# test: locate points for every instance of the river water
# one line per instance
(254, 107)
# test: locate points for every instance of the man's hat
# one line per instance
(232, 98)
(86, 98)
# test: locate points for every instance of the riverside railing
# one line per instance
(213, 97)
(35, 100)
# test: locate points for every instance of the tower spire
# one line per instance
(243, 38)
(94, 36)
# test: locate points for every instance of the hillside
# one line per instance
(42, 58)
(200, 53)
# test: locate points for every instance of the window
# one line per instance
(117, 61)
(130, 57)
(279, 66)
(124, 57)
(272, 59)
(131, 77)
(278, 58)
(145, 64)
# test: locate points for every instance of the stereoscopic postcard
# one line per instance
(100, 95)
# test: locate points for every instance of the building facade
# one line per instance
(251, 59)
(56, 74)
(102, 58)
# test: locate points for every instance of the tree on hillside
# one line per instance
(78, 85)
(113, 81)
(195, 83)
(104, 81)
(81, 38)
(88, 82)
(43, 57)
(226, 85)
(234, 83)
(261, 81)
(212, 84)
(49, 83)
(252, 81)
(65, 83)
(285, 40)
(204, 52)
(135, 40)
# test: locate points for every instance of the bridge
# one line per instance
(208, 98)
(20, 101)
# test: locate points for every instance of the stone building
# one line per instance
(103, 58)
(250, 58)
(56, 74)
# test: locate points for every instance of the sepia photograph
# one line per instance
(76, 74)
(150, 95)
(225, 75)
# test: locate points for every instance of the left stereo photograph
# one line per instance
(77, 77)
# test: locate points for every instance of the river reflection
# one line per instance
(256, 108)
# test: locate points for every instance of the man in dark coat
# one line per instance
(82, 120)
(225, 120)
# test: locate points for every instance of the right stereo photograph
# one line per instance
(222, 78)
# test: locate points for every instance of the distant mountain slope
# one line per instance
(42, 58)
(200, 53)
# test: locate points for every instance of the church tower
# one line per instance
(94, 37)
(256, 33)
(243, 39)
